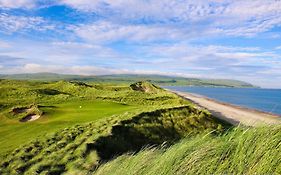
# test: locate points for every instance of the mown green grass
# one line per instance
(240, 151)
(59, 116)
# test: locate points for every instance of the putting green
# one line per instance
(57, 116)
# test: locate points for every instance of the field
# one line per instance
(71, 127)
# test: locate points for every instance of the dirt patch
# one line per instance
(30, 118)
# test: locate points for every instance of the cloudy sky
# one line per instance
(229, 39)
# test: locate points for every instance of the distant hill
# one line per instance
(131, 78)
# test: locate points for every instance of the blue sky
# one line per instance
(205, 38)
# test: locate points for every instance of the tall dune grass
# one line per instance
(240, 151)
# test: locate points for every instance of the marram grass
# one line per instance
(60, 142)
(240, 151)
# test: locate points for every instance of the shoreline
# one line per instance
(233, 105)
(231, 113)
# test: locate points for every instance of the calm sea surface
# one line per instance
(268, 100)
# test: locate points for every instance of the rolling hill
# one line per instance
(160, 80)
(90, 128)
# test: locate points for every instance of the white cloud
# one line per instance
(202, 17)
(82, 4)
(107, 31)
(82, 70)
(10, 23)
(238, 18)
(17, 3)
(4, 44)
(182, 50)
(82, 51)
(155, 36)
(211, 61)
(214, 61)
(218, 61)
(79, 47)
(171, 18)
(278, 48)
(151, 10)
(60, 53)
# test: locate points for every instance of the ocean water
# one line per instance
(268, 100)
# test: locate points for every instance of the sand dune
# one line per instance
(231, 113)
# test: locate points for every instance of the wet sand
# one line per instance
(231, 113)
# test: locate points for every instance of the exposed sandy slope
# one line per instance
(231, 113)
(30, 118)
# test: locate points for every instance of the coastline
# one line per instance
(233, 105)
(233, 114)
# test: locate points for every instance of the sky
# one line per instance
(228, 39)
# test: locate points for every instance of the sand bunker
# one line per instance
(29, 113)
(30, 118)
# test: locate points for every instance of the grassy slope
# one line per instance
(62, 107)
(240, 151)
(91, 132)
(128, 79)
(13, 133)
(83, 147)
(61, 110)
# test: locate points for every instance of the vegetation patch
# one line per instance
(155, 128)
(238, 151)
(85, 147)
(92, 125)
(93, 128)
(50, 92)
(144, 86)
(79, 83)
(2, 106)
(84, 104)
(29, 113)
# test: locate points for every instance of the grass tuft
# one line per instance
(239, 151)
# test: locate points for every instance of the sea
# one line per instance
(267, 100)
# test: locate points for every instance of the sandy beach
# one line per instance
(233, 114)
